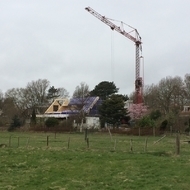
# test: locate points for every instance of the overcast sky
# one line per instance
(60, 41)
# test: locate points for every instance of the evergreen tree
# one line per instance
(16, 123)
(112, 110)
(104, 89)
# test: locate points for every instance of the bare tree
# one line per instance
(81, 94)
(29, 98)
(81, 91)
(63, 93)
(187, 87)
(9, 110)
(1, 99)
(179, 94)
(37, 93)
(150, 96)
(17, 95)
(164, 92)
(168, 95)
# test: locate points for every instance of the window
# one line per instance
(55, 107)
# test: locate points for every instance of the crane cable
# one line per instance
(112, 55)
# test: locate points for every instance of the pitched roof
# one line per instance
(65, 106)
(87, 103)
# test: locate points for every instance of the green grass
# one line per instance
(30, 164)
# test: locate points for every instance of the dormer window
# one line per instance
(55, 107)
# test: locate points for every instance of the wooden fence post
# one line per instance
(18, 141)
(145, 146)
(85, 134)
(109, 132)
(27, 142)
(177, 143)
(10, 140)
(68, 143)
(115, 145)
(47, 140)
(131, 145)
(87, 141)
(154, 131)
(139, 131)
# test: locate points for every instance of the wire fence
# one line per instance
(93, 142)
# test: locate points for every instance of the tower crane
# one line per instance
(138, 44)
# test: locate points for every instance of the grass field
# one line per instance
(67, 162)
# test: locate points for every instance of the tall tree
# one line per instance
(52, 93)
(187, 87)
(9, 109)
(168, 95)
(112, 110)
(150, 96)
(1, 99)
(26, 99)
(104, 89)
(17, 96)
(37, 93)
(57, 92)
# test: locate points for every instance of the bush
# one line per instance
(51, 122)
(146, 121)
(67, 123)
(164, 125)
(16, 123)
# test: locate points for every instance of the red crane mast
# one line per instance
(138, 44)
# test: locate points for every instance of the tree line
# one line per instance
(22, 102)
(165, 102)
(19, 104)
(166, 98)
(170, 94)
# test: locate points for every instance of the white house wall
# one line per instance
(93, 122)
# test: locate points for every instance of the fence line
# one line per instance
(93, 141)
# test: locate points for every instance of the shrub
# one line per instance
(146, 121)
(51, 122)
(164, 125)
(16, 123)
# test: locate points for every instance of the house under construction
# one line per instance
(64, 108)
